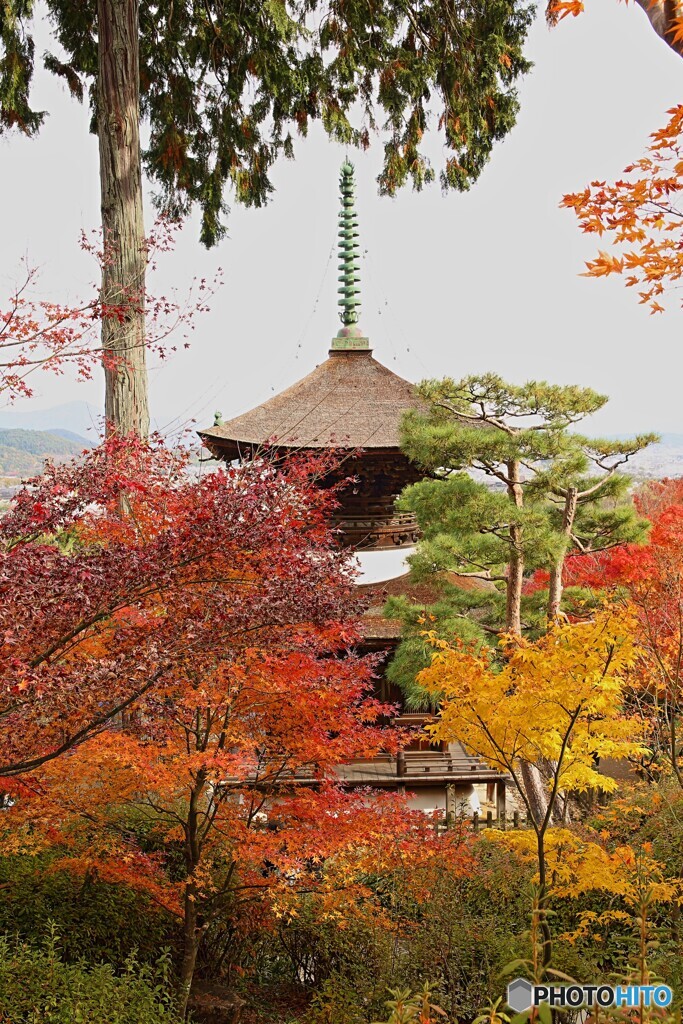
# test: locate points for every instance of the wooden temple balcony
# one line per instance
(445, 779)
(418, 767)
(378, 532)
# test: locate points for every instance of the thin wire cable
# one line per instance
(214, 390)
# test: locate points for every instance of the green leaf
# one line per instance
(545, 1014)
(514, 965)
(562, 975)
(521, 1018)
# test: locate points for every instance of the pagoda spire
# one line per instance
(350, 336)
(349, 302)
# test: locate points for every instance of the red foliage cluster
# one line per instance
(218, 613)
(124, 573)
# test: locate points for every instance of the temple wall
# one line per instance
(433, 798)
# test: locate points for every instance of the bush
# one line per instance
(336, 1002)
(38, 987)
(458, 936)
(94, 920)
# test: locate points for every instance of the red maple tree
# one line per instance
(119, 570)
(650, 577)
(218, 613)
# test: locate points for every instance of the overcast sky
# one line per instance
(451, 285)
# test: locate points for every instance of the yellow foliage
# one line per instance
(558, 699)
(577, 865)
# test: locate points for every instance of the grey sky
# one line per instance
(450, 284)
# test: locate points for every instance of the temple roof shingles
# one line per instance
(375, 625)
(349, 401)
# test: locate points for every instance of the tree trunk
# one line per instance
(664, 15)
(531, 776)
(547, 952)
(191, 939)
(124, 265)
(192, 929)
(513, 611)
(534, 790)
(556, 573)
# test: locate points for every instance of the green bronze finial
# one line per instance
(217, 419)
(349, 337)
(349, 301)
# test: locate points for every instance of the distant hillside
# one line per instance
(23, 452)
(70, 435)
(659, 460)
(79, 418)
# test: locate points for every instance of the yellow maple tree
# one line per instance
(555, 702)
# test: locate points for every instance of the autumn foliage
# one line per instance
(215, 612)
(542, 702)
(640, 216)
(37, 334)
(650, 578)
(639, 213)
(123, 570)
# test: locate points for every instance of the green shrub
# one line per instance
(94, 920)
(336, 1002)
(38, 987)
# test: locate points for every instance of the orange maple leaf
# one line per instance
(559, 9)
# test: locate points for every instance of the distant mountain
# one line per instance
(69, 435)
(77, 418)
(672, 440)
(23, 452)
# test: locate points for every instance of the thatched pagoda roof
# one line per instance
(375, 626)
(349, 401)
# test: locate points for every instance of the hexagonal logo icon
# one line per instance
(520, 993)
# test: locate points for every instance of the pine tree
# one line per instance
(509, 494)
(513, 487)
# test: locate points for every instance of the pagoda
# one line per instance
(353, 405)
(349, 403)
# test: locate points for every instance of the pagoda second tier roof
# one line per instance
(349, 401)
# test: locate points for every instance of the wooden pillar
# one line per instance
(500, 803)
(450, 806)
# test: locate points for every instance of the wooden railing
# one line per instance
(478, 822)
(419, 763)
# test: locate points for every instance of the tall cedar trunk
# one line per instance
(555, 585)
(123, 273)
(513, 611)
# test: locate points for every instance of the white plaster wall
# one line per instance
(433, 798)
(377, 566)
